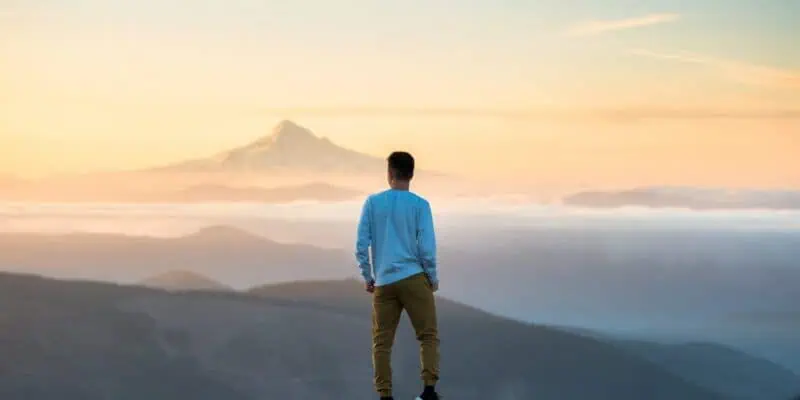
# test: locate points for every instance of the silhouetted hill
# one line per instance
(82, 340)
(718, 368)
(347, 297)
(231, 256)
(722, 369)
(179, 280)
(687, 197)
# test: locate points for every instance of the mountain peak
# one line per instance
(287, 126)
(286, 133)
(287, 130)
(288, 147)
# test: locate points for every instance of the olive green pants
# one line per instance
(414, 295)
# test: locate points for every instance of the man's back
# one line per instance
(397, 226)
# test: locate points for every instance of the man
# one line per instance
(397, 226)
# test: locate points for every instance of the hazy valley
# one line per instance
(682, 293)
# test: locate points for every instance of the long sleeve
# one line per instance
(426, 240)
(363, 242)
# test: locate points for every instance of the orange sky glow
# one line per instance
(641, 99)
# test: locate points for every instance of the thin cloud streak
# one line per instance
(592, 28)
(752, 74)
(577, 114)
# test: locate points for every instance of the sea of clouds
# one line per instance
(165, 220)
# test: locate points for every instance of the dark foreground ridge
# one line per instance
(85, 341)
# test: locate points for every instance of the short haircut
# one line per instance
(401, 165)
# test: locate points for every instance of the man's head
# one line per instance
(401, 167)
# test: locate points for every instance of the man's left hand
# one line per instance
(370, 286)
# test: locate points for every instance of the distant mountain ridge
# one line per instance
(182, 280)
(246, 259)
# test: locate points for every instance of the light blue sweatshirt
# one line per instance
(397, 226)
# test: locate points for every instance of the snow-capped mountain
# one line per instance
(289, 147)
(288, 164)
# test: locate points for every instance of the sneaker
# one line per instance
(429, 395)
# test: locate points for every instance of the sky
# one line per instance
(617, 91)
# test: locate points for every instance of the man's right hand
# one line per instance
(370, 287)
(434, 285)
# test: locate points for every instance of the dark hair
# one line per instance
(401, 165)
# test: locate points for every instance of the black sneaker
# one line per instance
(429, 394)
